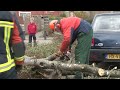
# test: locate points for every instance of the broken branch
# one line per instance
(71, 67)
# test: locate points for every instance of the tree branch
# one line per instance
(71, 67)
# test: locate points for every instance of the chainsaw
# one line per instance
(64, 57)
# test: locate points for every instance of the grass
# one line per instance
(43, 50)
(40, 51)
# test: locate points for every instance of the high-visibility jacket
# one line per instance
(11, 44)
(22, 35)
(70, 28)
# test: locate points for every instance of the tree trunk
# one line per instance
(71, 67)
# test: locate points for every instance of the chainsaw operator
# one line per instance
(73, 28)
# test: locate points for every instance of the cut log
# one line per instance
(71, 67)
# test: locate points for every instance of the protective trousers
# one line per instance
(82, 50)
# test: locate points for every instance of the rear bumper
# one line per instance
(98, 55)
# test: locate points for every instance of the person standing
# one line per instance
(32, 30)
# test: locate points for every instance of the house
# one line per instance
(22, 16)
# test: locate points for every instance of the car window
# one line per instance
(107, 23)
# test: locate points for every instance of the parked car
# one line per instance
(105, 47)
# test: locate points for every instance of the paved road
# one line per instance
(40, 38)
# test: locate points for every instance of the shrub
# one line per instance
(81, 14)
(63, 15)
(84, 15)
(89, 20)
(54, 17)
(51, 17)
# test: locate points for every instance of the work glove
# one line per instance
(19, 65)
(59, 53)
(54, 56)
(65, 56)
(68, 53)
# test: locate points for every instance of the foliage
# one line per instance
(89, 20)
(84, 15)
(53, 17)
(81, 14)
(63, 15)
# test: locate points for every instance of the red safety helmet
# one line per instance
(53, 23)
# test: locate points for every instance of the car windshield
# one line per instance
(107, 23)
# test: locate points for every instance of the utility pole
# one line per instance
(46, 23)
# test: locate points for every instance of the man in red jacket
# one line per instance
(74, 28)
(32, 29)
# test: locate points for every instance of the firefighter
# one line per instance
(12, 48)
(32, 29)
(74, 28)
(22, 33)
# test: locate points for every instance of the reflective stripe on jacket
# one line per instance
(8, 62)
(11, 44)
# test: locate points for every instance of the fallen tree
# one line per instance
(45, 63)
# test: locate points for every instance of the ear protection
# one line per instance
(54, 24)
(58, 25)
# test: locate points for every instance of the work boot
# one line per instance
(35, 43)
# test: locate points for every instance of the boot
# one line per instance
(35, 43)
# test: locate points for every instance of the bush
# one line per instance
(89, 20)
(51, 17)
(54, 17)
(63, 15)
(84, 15)
(81, 14)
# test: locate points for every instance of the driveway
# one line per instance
(39, 39)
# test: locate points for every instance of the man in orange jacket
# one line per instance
(74, 28)
(12, 48)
